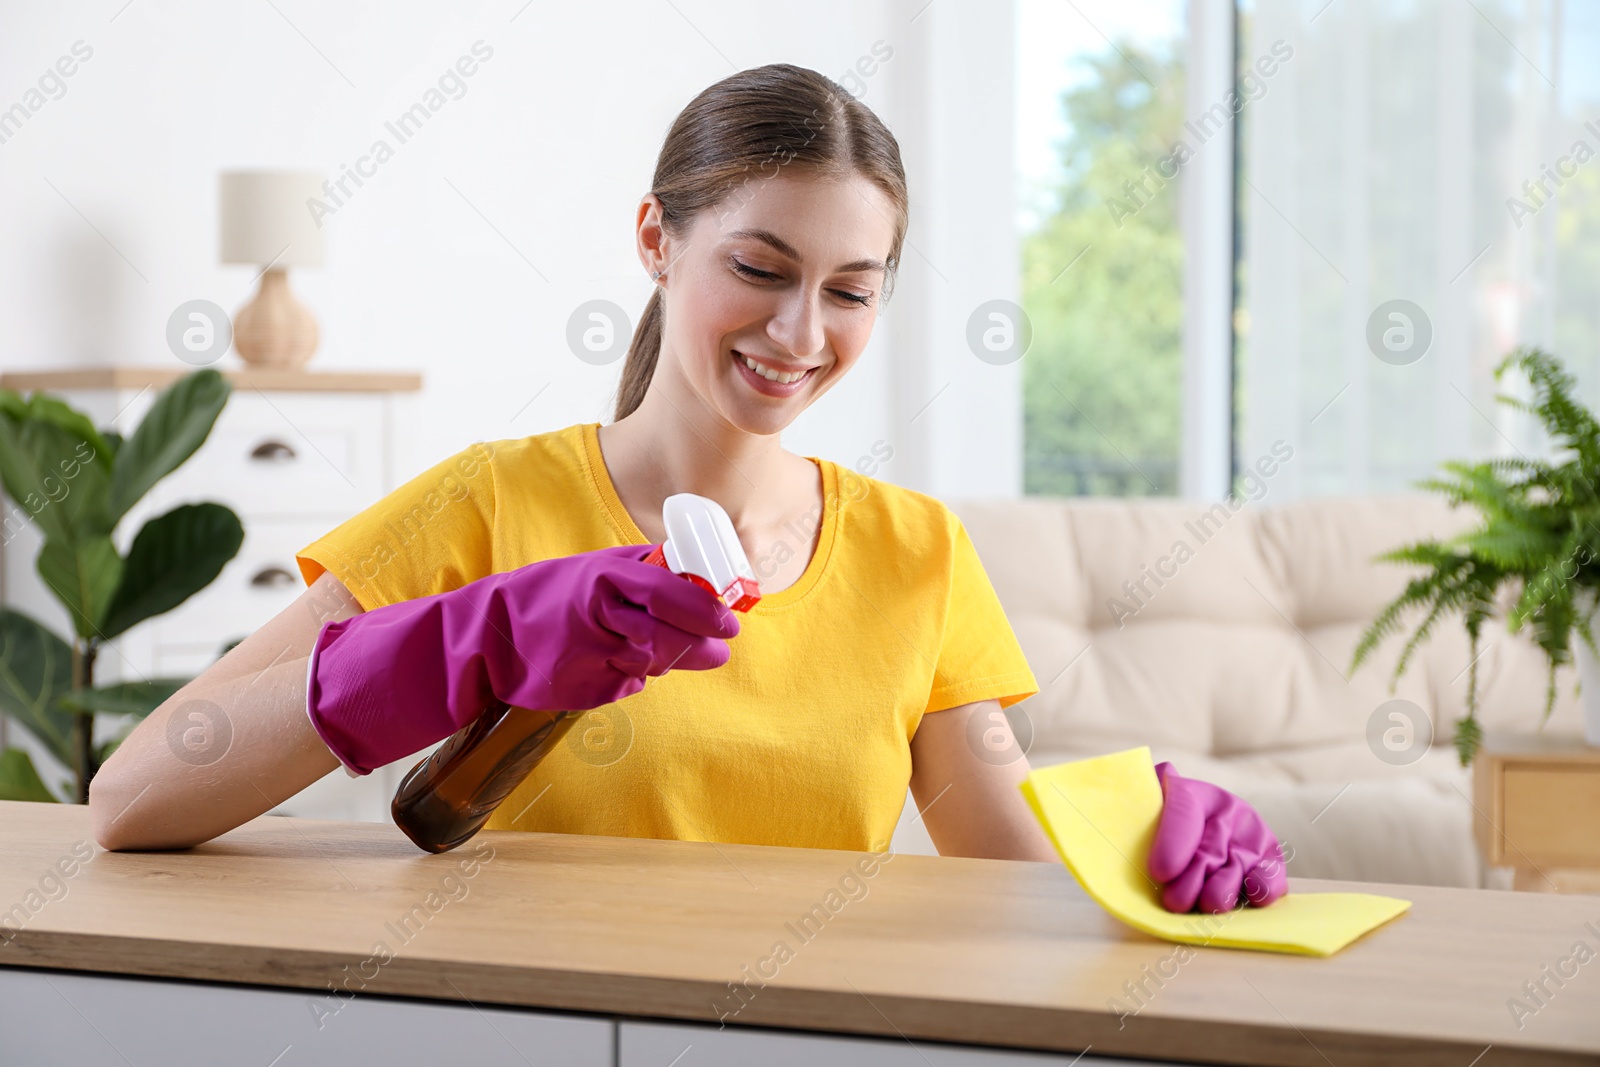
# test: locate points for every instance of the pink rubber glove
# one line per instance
(1212, 848)
(564, 634)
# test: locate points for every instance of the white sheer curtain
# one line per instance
(1387, 161)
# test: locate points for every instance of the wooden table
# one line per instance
(1537, 801)
(592, 950)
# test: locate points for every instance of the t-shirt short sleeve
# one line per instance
(431, 535)
(979, 656)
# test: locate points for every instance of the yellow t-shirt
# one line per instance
(803, 737)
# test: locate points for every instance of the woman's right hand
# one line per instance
(563, 634)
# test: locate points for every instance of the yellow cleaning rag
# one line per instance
(1101, 815)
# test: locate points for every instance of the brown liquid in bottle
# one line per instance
(448, 796)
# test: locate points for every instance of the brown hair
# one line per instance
(755, 121)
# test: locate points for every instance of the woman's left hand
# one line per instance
(1212, 848)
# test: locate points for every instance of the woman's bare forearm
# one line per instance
(972, 806)
(212, 757)
(229, 746)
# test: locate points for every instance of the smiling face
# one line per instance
(771, 295)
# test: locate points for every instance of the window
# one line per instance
(1421, 195)
(1417, 192)
(1100, 105)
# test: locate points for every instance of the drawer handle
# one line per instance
(272, 576)
(272, 451)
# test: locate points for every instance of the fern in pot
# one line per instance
(77, 483)
(1535, 547)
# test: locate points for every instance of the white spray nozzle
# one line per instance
(701, 543)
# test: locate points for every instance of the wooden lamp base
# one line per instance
(274, 329)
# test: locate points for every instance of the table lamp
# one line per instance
(264, 222)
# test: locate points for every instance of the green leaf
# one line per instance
(173, 556)
(124, 698)
(35, 670)
(19, 780)
(53, 411)
(1468, 739)
(177, 424)
(52, 474)
(84, 574)
(1514, 548)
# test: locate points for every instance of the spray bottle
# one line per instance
(450, 794)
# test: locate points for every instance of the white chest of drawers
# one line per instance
(293, 454)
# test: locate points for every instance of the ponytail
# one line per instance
(640, 366)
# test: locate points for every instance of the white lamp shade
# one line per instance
(264, 218)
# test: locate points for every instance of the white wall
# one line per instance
(110, 195)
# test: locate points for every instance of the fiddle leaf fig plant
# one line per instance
(1537, 543)
(77, 483)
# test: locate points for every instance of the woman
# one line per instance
(773, 230)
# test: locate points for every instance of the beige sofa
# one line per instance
(1227, 652)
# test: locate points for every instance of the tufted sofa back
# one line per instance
(1222, 638)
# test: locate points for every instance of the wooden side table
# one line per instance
(1537, 801)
